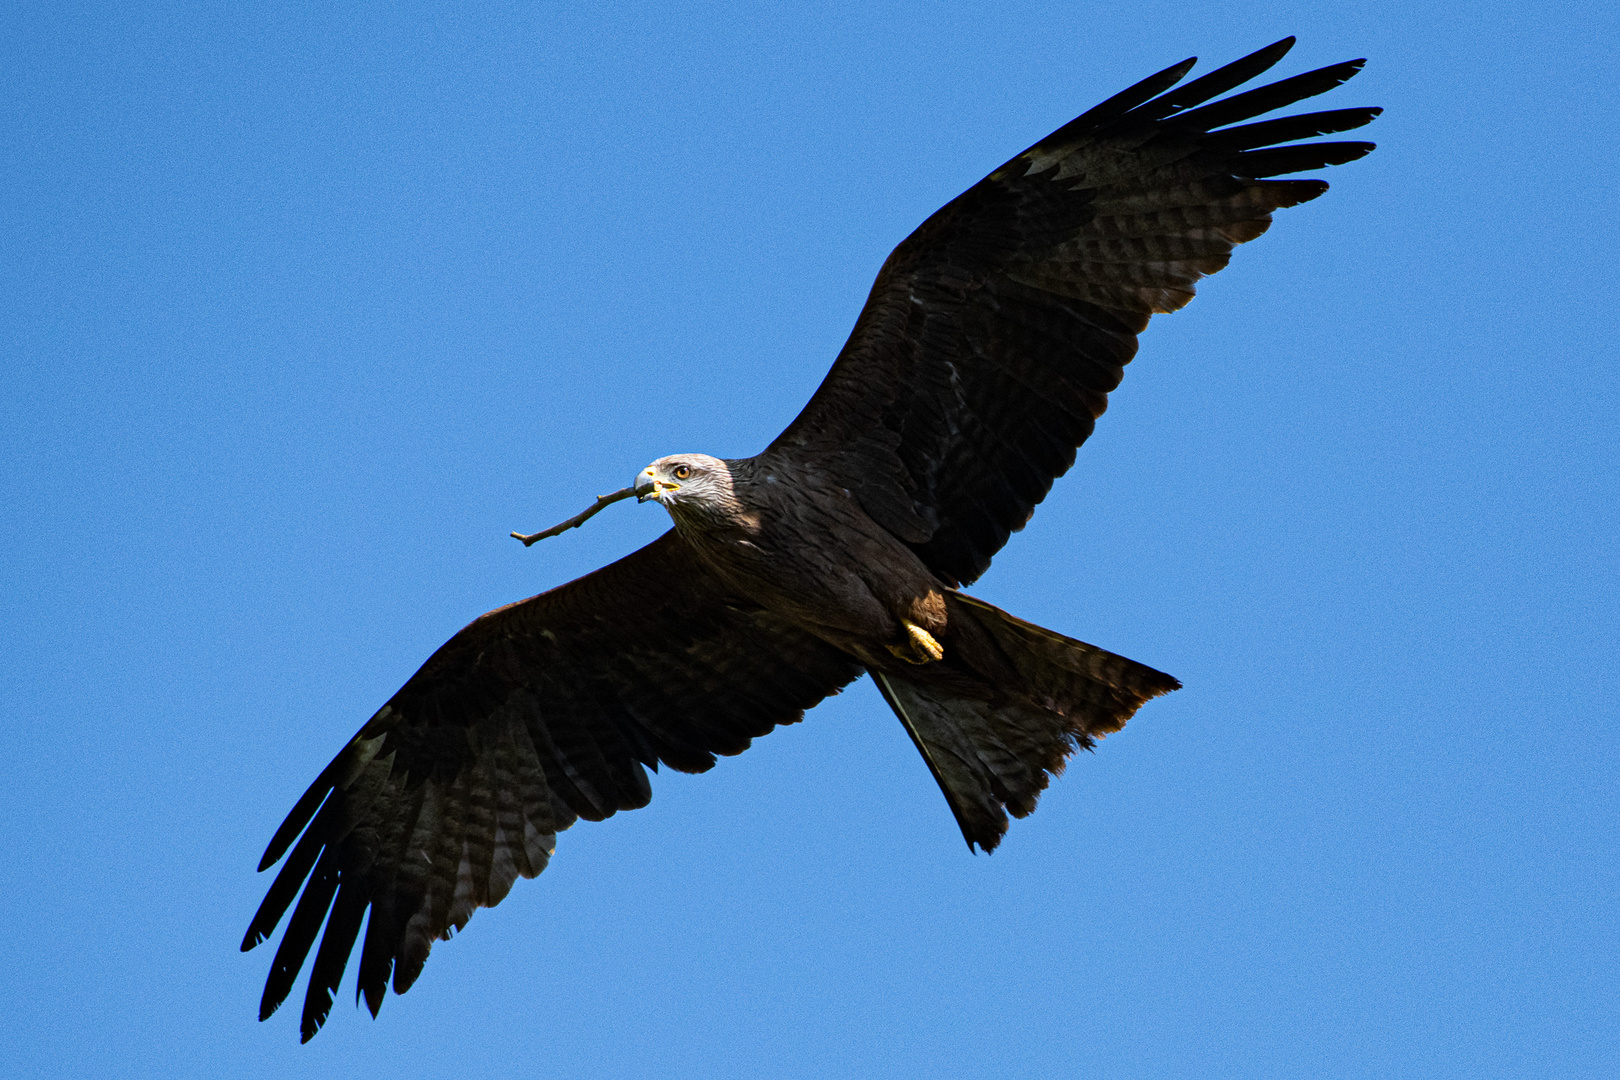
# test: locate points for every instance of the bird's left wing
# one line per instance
(996, 331)
(535, 715)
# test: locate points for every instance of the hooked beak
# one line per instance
(649, 486)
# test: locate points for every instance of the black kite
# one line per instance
(981, 361)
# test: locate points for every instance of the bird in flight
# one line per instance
(980, 363)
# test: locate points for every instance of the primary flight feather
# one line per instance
(980, 363)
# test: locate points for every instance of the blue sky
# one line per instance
(302, 310)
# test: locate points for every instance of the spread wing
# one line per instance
(994, 332)
(535, 715)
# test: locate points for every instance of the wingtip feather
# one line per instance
(303, 811)
(1123, 102)
(1217, 82)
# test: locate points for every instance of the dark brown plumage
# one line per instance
(979, 364)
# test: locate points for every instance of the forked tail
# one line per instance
(1006, 707)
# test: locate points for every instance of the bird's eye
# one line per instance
(681, 472)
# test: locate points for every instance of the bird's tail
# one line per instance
(1002, 712)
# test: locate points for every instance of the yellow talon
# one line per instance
(924, 646)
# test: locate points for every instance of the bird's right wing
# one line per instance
(996, 331)
(535, 715)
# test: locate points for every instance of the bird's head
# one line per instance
(694, 488)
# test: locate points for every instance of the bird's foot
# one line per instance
(920, 646)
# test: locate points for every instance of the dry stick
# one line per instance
(578, 519)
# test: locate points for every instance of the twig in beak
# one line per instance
(578, 519)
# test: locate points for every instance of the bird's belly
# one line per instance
(847, 584)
